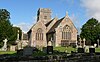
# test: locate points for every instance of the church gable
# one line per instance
(67, 21)
(38, 35)
(39, 24)
(73, 26)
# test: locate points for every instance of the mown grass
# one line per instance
(41, 53)
(7, 52)
(97, 49)
(69, 49)
(65, 49)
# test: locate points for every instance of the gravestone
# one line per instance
(49, 48)
(12, 48)
(86, 49)
(92, 50)
(95, 45)
(4, 48)
(28, 51)
(83, 42)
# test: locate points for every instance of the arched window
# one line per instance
(39, 34)
(66, 33)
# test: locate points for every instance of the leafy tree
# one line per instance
(90, 31)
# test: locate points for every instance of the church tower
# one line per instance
(44, 15)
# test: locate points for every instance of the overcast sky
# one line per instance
(24, 12)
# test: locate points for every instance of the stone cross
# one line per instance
(5, 45)
(98, 42)
(5, 42)
(67, 14)
(84, 42)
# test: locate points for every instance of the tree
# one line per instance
(90, 30)
(5, 25)
(14, 36)
(6, 28)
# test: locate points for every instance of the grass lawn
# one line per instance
(97, 49)
(40, 53)
(7, 52)
(63, 49)
(69, 49)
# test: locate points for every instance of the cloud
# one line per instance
(26, 26)
(92, 8)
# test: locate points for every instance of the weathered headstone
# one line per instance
(95, 45)
(19, 43)
(84, 42)
(98, 42)
(4, 48)
(12, 48)
(92, 50)
(86, 49)
(49, 48)
(80, 40)
(28, 51)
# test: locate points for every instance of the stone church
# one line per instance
(61, 32)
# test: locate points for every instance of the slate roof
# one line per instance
(55, 25)
(48, 23)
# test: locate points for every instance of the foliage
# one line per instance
(90, 30)
(6, 28)
(39, 53)
(14, 36)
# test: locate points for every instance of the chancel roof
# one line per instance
(56, 25)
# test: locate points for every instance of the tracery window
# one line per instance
(66, 33)
(39, 34)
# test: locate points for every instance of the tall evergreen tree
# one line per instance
(6, 28)
(5, 25)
